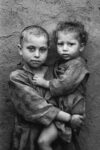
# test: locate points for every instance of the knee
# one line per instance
(42, 142)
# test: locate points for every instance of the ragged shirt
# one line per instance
(32, 109)
(69, 88)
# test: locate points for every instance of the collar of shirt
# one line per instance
(27, 69)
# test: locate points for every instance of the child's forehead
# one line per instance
(30, 37)
(73, 34)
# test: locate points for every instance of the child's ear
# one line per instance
(19, 49)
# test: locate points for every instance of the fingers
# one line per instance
(35, 77)
(77, 120)
(81, 122)
(82, 118)
(34, 80)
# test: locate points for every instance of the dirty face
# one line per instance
(68, 45)
(34, 50)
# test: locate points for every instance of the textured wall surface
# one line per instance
(17, 14)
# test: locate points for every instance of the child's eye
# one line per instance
(31, 48)
(71, 44)
(43, 49)
(60, 43)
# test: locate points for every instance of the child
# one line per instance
(33, 111)
(71, 75)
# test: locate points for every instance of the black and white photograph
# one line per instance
(49, 75)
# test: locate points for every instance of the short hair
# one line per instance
(33, 30)
(77, 27)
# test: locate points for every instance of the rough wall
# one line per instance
(14, 16)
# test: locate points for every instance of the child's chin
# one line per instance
(35, 65)
(66, 58)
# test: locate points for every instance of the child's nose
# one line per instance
(65, 48)
(37, 53)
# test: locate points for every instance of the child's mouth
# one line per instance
(35, 61)
(65, 56)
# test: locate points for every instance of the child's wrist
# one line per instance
(70, 117)
(47, 84)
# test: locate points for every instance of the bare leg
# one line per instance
(47, 136)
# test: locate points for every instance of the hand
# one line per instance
(40, 81)
(76, 121)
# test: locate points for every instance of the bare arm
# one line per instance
(40, 81)
(63, 116)
(67, 82)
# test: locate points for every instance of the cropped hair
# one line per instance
(33, 30)
(77, 27)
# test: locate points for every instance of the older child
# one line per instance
(33, 111)
(71, 75)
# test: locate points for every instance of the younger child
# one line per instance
(71, 75)
(33, 112)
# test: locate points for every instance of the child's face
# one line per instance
(68, 46)
(34, 50)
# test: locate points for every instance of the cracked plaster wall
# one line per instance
(14, 16)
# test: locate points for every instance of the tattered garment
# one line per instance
(69, 88)
(33, 112)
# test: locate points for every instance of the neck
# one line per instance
(33, 69)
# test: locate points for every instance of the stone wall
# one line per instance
(17, 14)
